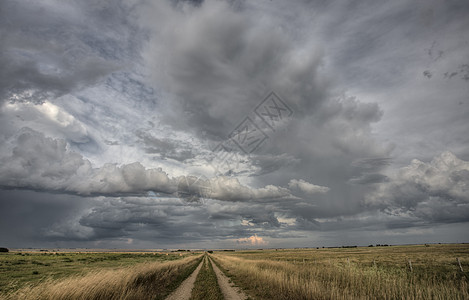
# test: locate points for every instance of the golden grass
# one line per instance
(142, 281)
(18, 269)
(284, 275)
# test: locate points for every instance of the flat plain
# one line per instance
(391, 272)
(385, 272)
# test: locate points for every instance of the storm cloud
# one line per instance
(233, 123)
(436, 191)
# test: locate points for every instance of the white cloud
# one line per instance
(46, 117)
(229, 188)
(43, 163)
(437, 190)
(39, 162)
(307, 188)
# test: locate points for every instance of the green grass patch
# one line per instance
(206, 285)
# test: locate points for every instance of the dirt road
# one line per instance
(183, 292)
(230, 292)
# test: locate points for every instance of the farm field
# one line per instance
(393, 272)
(23, 270)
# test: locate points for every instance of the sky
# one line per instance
(142, 124)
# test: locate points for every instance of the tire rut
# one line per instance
(230, 292)
(183, 292)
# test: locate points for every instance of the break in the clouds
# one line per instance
(153, 123)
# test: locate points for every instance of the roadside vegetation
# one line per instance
(206, 286)
(397, 272)
(126, 277)
(20, 268)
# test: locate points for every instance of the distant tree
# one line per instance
(4, 250)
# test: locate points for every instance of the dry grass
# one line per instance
(284, 275)
(142, 281)
(18, 269)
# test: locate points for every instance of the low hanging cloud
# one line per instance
(253, 240)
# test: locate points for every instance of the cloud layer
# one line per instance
(117, 113)
(434, 192)
(42, 163)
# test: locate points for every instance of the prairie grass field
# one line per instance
(351, 273)
(34, 273)
(391, 272)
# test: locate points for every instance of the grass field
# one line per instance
(394, 272)
(28, 269)
(351, 273)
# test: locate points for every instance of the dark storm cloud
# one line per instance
(50, 50)
(270, 163)
(166, 147)
(218, 64)
(147, 89)
(369, 178)
(367, 164)
(167, 220)
(25, 217)
(382, 38)
(205, 73)
(367, 170)
(387, 51)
